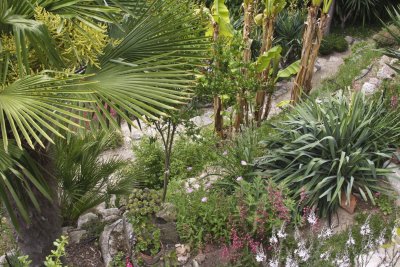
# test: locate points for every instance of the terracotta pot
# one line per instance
(349, 207)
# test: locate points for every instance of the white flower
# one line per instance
(204, 199)
(240, 178)
(225, 153)
(325, 233)
(343, 262)
(312, 218)
(260, 256)
(365, 229)
(189, 169)
(281, 233)
(381, 239)
(273, 263)
(290, 262)
(273, 240)
(303, 254)
(243, 163)
(302, 251)
(350, 242)
(325, 256)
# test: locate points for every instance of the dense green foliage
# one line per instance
(329, 147)
(86, 179)
(333, 43)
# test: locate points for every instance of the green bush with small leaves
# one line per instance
(202, 214)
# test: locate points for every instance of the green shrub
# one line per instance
(326, 48)
(148, 167)
(333, 43)
(84, 177)
(202, 216)
(337, 146)
(340, 44)
(191, 155)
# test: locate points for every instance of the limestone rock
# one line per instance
(99, 208)
(109, 212)
(375, 81)
(65, 230)
(167, 212)
(182, 253)
(384, 60)
(369, 88)
(115, 237)
(76, 236)
(86, 219)
(201, 121)
(111, 218)
(386, 72)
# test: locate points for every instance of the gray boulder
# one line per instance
(76, 236)
(86, 219)
(168, 212)
(116, 237)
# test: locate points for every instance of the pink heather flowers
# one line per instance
(204, 199)
(225, 153)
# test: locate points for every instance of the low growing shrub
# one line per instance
(334, 146)
(202, 214)
(333, 43)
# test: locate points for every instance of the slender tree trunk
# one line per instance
(261, 111)
(36, 237)
(330, 18)
(242, 105)
(218, 108)
(218, 118)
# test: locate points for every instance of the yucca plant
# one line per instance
(334, 147)
(85, 178)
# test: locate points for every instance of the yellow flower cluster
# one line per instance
(78, 43)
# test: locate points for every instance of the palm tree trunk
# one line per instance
(36, 237)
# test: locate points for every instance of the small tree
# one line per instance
(167, 128)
